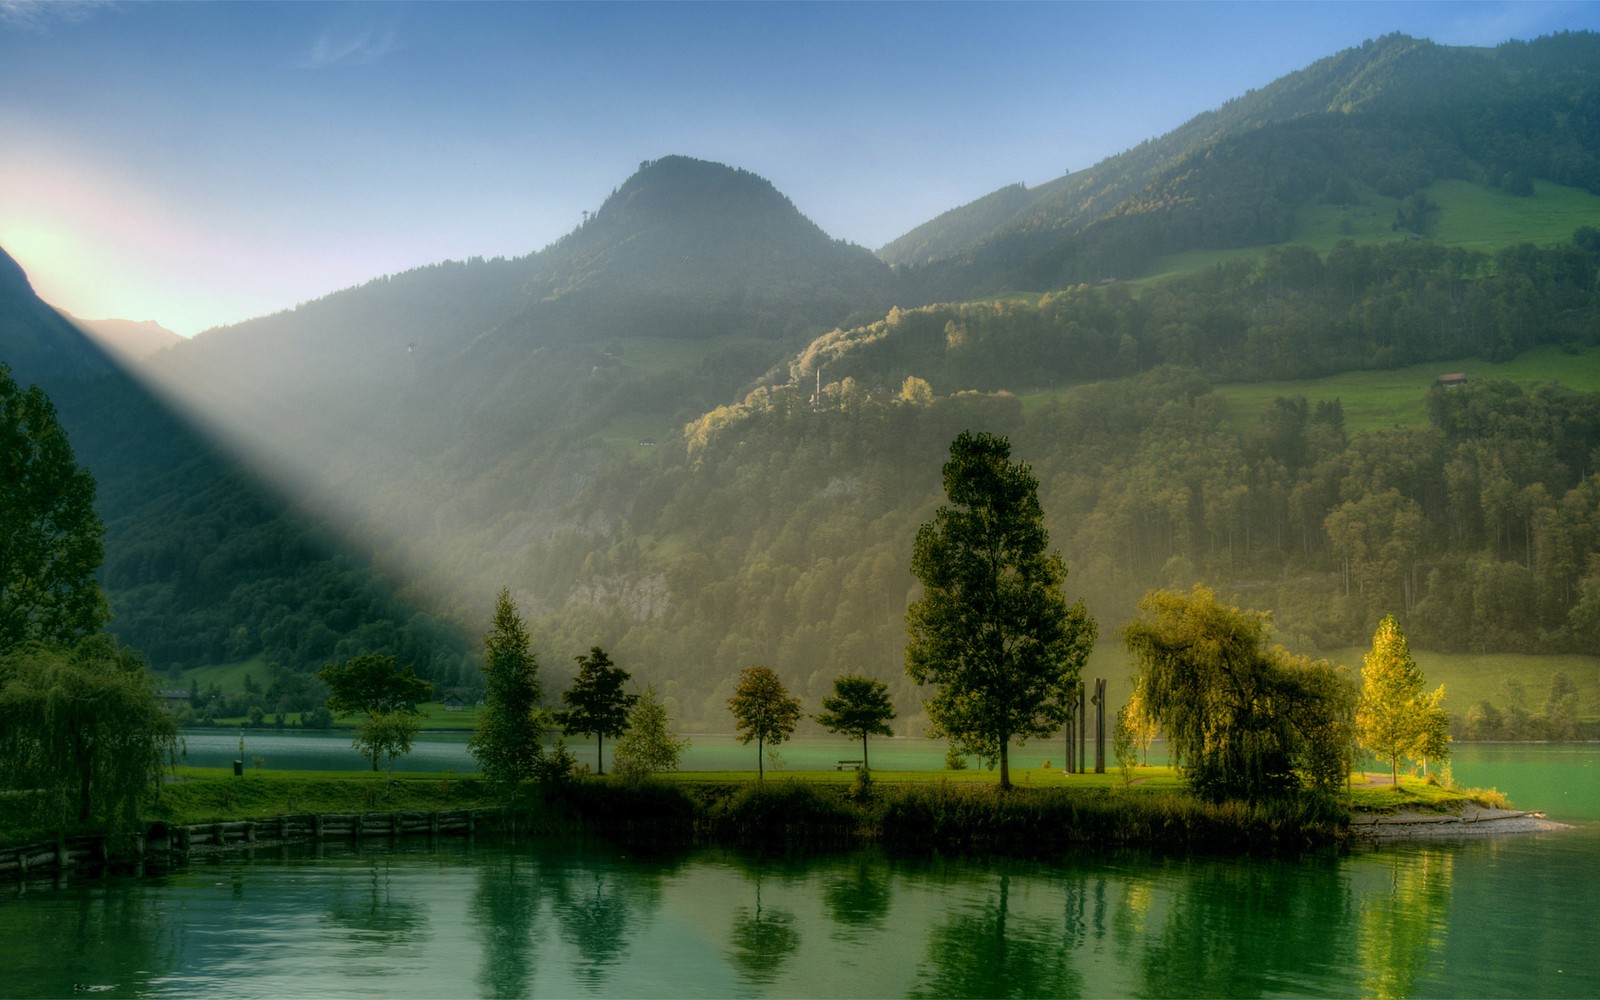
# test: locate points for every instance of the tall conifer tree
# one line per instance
(508, 742)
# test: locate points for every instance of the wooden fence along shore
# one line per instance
(158, 840)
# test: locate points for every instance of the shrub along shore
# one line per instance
(949, 812)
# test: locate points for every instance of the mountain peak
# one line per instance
(689, 238)
(675, 188)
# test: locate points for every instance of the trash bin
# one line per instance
(238, 768)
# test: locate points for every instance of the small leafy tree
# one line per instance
(858, 707)
(764, 711)
(596, 703)
(647, 745)
(372, 685)
(1142, 726)
(1124, 744)
(507, 743)
(1394, 718)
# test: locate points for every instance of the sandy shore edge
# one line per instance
(1473, 821)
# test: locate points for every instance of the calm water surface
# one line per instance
(1510, 917)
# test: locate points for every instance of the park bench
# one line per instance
(843, 764)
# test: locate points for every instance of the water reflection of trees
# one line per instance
(1402, 930)
(366, 907)
(506, 907)
(1242, 926)
(857, 894)
(985, 951)
(597, 901)
(764, 936)
(79, 933)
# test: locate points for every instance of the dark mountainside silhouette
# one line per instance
(35, 341)
(204, 564)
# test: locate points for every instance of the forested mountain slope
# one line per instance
(1386, 119)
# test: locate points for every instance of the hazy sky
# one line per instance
(201, 163)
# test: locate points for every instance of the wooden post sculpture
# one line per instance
(1072, 716)
(1100, 725)
(1084, 728)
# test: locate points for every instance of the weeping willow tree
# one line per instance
(82, 735)
(1244, 720)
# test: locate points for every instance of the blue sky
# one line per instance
(201, 163)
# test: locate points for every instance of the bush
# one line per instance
(785, 813)
(555, 767)
(1036, 822)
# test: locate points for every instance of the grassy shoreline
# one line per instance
(948, 811)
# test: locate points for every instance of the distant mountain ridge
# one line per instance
(129, 340)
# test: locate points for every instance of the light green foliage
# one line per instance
(1142, 726)
(763, 711)
(82, 736)
(647, 746)
(387, 735)
(1395, 719)
(556, 765)
(507, 742)
(596, 702)
(1124, 744)
(992, 631)
(50, 535)
(1243, 720)
(859, 706)
(374, 686)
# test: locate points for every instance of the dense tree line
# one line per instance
(1291, 314)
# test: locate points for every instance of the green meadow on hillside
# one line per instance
(1470, 216)
(1469, 678)
(1383, 400)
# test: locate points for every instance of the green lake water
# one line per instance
(1509, 917)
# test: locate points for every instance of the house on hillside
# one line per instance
(1453, 379)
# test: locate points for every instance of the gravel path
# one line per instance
(1472, 821)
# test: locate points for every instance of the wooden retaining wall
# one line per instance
(159, 839)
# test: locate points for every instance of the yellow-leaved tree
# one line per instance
(1395, 719)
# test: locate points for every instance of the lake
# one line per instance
(1515, 916)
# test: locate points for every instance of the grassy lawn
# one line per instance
(1146, 778)
(201, 795)
(1416, 794)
